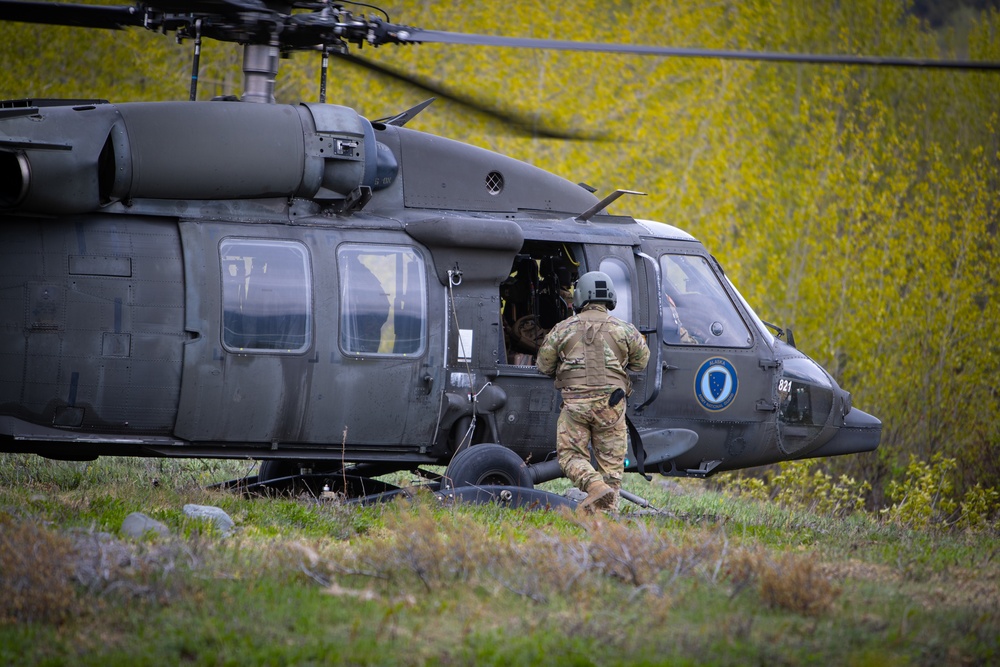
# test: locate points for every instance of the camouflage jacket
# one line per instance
(615, 347)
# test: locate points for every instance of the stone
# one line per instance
(138, 525)
(218, 517)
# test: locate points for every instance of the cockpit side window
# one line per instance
(697, 310)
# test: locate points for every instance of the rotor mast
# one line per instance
(260, 70)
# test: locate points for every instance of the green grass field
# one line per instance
(712, 579)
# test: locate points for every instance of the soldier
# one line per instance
(589, 354)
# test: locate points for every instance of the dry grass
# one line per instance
(790, 581)
(36, 574)
(413, 582)
(419, 550)
(795, 582)
(47, 576)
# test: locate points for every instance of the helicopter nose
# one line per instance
(810, 405)
(861, 432)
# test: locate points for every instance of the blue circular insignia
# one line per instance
(715, 384)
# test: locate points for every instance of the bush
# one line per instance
(802, 485)
(793, 582)
(979, 508)
(924, 497)
(35, 574)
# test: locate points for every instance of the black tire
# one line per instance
(271, 469)
(487, 464)
(278, 469)
(353, 482)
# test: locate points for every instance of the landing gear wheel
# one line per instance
(271, 469)
(278, 469)
(487, 464)
(287, 477)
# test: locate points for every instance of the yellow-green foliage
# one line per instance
(803, 485)
(980, 508)
(858, 206)
(927, 497)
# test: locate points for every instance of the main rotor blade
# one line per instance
(84, 16)
(240, 18)
(119, 17)
(525, 125)
(415, 35)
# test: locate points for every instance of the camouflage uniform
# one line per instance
(586, 382)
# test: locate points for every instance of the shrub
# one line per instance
(924, 497)
(793, 582)
(980, 508)
(802, 485)
(35, 574)
(634, 554)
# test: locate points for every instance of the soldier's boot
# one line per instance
(597, 492)
(610, 502)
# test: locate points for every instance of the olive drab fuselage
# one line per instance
(329, 289)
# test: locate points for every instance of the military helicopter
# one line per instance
(341, 298)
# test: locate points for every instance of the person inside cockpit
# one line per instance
(674, 330)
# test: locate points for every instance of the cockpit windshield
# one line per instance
(697, 310)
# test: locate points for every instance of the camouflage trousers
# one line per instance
(584, 421)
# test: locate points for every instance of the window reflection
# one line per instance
(266, 301)
(696, 308)
(383, 301)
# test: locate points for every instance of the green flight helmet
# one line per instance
(594, 287)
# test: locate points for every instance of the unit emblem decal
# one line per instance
(716, 384)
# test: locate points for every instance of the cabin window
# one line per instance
(697, 310)
(266, 299)
(383, 300)
(621, 278)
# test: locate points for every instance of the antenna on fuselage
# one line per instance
(604, 203)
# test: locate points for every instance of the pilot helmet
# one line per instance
(594, 287)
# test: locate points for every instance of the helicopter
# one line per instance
(340, 298)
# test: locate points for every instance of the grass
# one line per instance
(712, 579)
